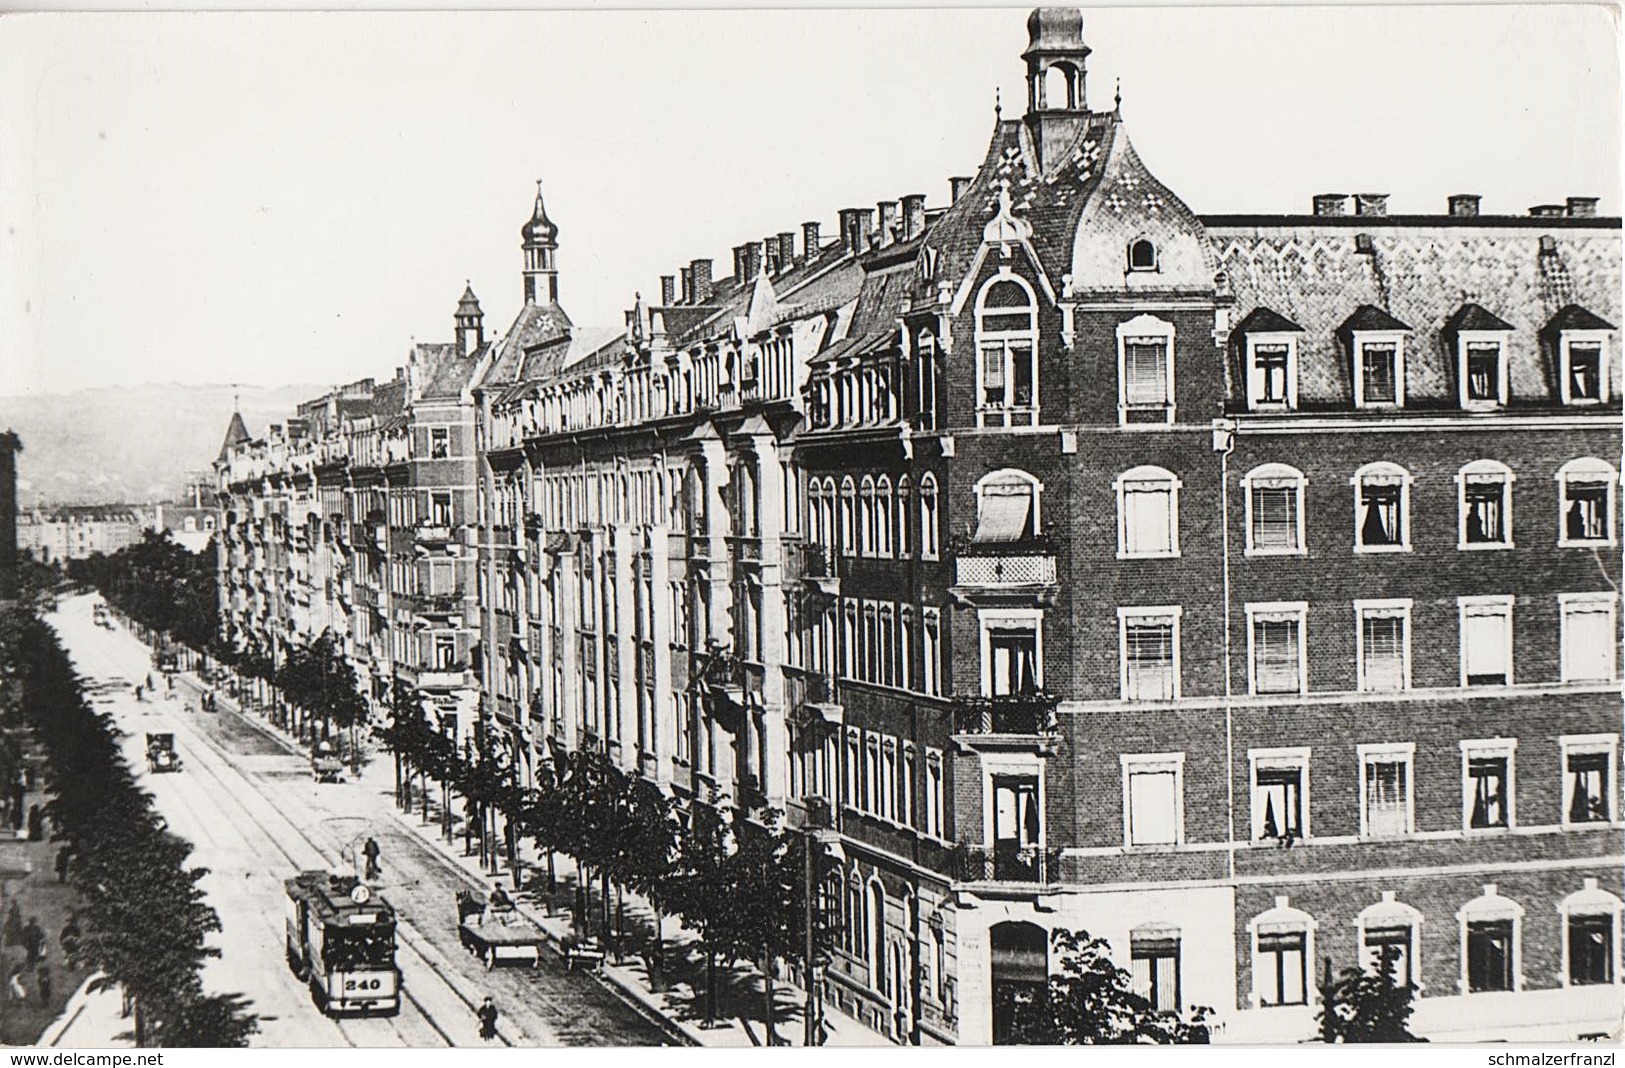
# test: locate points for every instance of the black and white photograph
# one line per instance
(845, 527)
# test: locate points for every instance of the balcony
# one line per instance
(818, 569)
(1008, 863)
(820, 703)
(431, 534)
(1011, 570)
(1023, 722)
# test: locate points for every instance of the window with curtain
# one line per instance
(1586, 510)
(1379, 377)
(1591, 949)
(1381, 518)
(1275, 508)
(1585, 371)
(1484, 372)
(1017, 827)
(1007, 365)
(1153, 803)
(1277, 651)
(1487, 783)
(1484, 511)
(1154, 967)
(1012, 660)
(1148, 519)
(1587, 787)
(1387, 797)
(1489, 955)
(1270, 371)
(1394, 942)
(1278, 800)
(1145, 372)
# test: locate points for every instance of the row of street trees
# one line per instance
(734, 878)
(160, 585)
(144, 923)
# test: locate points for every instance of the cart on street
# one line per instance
(497, 932)
(161, 755)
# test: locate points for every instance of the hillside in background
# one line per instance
(131, 444)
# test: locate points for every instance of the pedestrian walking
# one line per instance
(36, 823)
(487, 1013)
(42, 980)
(371, 851)
(69, 937)
(34, 941)
(15, 987)
(64, 857)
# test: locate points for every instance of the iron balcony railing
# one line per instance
(1017, 713)
(1007, 862)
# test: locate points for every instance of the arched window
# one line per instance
(1147, 513)
(828, 506)
(1490, 937)
(1019, 955)
(925, 372)
(875, 950)
(1283, 948)
(1274, 506)
(1586, 502)
(1591, 920)
(1142, 255)
(745, 501)
(1382, 506)
(866, 517)
(905, 518)
(1391, 930)
(930, 531)
(816, 534)
(849, 507)
(883, 517)
(1007, 353)
(1484, 499)
(1007, 507)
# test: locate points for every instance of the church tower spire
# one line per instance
(539, 239)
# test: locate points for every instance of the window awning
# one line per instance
(1004, 515)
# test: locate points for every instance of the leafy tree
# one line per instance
(1089, 1000)
(1367, 1006)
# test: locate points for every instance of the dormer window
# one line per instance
(1580, 343)
(1272, 374)
(1142, 255)
(1483, 342)
(1269, 351)
(1377, 348)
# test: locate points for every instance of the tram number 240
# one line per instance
(374, 983)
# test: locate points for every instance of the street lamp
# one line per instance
(820, 844)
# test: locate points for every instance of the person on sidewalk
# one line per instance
(64, 858)
(43, 982)
(69, 938)
(34, 941)
(487, 1013)
(371, 851)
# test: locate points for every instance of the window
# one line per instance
(883, 517)
(1486, 640)
(1586, 502)
(440, 509)
(1006, 343)
(1142, 255)
(1388, 931)
(1154, 965)
(1018, 828)
(1487, 789)
(1153, 799)
(1589, 636)
(1276, 657)
(1385, 790)
(931, 649)
(1383, 655)
(1280, 794)
(848, 512)
(1283, 945)
(936, 795)
(1145, 370)
(1149, 653)
(1382, 508)
(905, 517)
(1379, 379)
(1489, 934)
(1006, 507)
(1484, 490)
(925, 353)
(1588, 772)
(929, 531)
(1378, 359)
(1272, 371)
(1583, 366)
(439, 443)
(1011, 651)
(1591, 936)
(1484, 374)
(1147, 513)
(1274, 500)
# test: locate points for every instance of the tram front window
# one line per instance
(358, 949)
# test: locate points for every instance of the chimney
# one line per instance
(770, 255)
(855, 229)
(1549, 211)
(1371, 203)
(668, 289)
(688, 284)
(913, 216)
(957, 187)
(787, 250)
(1464, 205)
(752, 262)
(1332, 204)
(809, 240)
(739, 262)
(888, 222)
(1583, 207)
(702, 281)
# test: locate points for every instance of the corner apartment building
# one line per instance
(1241, 589)
(76, 531)
(354, 518)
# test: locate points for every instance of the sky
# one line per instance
(270, 198)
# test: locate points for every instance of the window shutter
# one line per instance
(1145, 368)
(1147, 518)
(1484, 642)
(1588, 643)
(1152, 808)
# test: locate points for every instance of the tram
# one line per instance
(341, 941)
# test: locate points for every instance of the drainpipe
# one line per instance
(1224, 443)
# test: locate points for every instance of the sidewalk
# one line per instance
(679, 1003)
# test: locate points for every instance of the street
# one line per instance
(247, 801)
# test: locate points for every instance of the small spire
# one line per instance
(1117, 98)
(998, 105)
